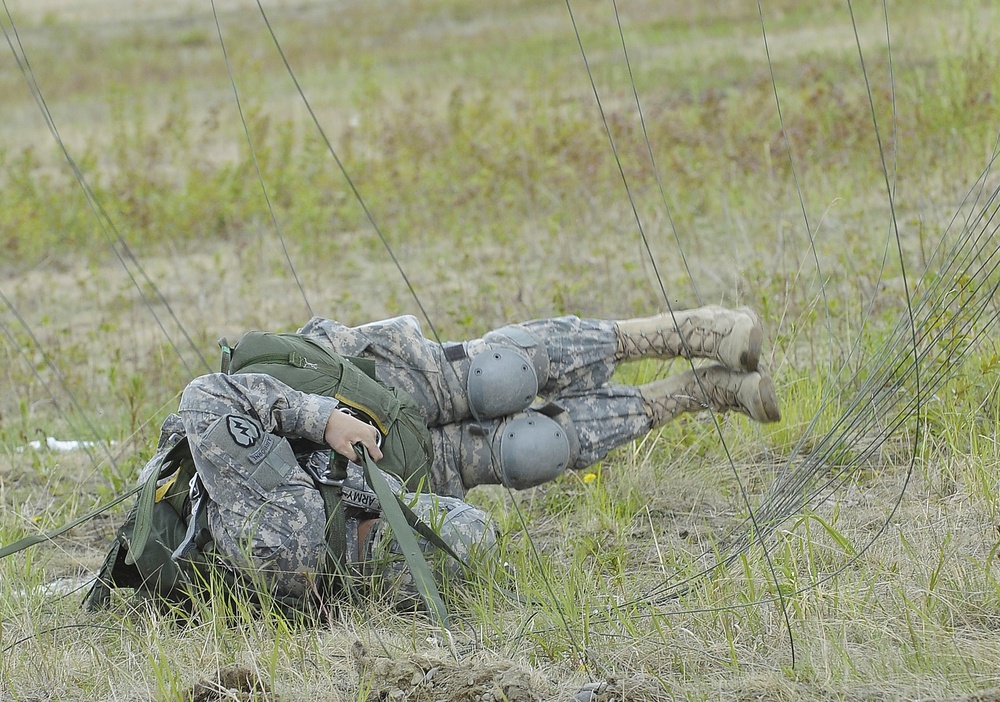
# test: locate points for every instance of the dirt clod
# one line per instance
(230, 683)
(425, 679)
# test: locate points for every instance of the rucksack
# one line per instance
(147, 553)
(140, 557)
(302, 363)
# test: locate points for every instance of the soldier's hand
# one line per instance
(343, 431)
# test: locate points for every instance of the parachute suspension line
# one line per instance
(652, 159)
(345, 174)
(797, 494)
(795, 177)
(827, 393)
(256, 164)
(715, 421)
(817, 462)
(824, 402)
(586, 661)
(930, 310)
(826, 396)
(767, 515)
(614, 152)
(892, 99)
(733, 552)
(812, 244)
(889, 396)
(62, 381)
(909, 321)
(890, 189)
(108, 228)
(36, 538)
(890, 186)
(928, 332)
(970, 205)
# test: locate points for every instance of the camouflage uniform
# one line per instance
(267, 517)
(574, 359)
(265, 514)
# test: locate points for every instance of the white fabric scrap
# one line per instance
(54, 444)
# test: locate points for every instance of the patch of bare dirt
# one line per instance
(422, 678)
(235, 683)
(418, 678)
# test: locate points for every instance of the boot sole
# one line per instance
(769, 400)
(750, 358)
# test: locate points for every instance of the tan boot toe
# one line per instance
(740, 348)
(759, 398)
(715, 387)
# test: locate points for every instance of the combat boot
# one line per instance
(720, 389)
(731, 337)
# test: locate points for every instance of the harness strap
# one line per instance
(147, 498)
(393, 513)
(397, 512)
(227, 355)
(425, 530)
(336, 531)
(27, 541)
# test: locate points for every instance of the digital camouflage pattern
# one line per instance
(267, 517)
(467, 529)
(265, 514)
(575, 359)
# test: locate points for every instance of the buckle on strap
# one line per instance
(323, 468)
(198, 534)
(227, 355)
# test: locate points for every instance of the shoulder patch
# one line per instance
(244, 432)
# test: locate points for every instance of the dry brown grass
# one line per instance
(474, 135)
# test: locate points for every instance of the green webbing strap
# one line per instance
(391, 510)
(143, 519)
(336, 529)
(27, 541)
(147, 498)
(227, 355)
(425, 530)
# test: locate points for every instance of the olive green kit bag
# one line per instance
(160, 550)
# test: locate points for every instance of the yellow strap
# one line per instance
(162, 490)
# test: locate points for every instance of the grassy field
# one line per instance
(473, 135)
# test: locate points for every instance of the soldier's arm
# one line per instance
(279, 408)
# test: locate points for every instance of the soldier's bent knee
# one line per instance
(534, 449)
(504, 378)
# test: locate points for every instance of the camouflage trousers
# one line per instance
(574, 360)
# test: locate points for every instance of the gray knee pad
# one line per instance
(516, 336)
(501, 381)
(505, 378)
(534, 449)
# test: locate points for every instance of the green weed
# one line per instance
(473, 137)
